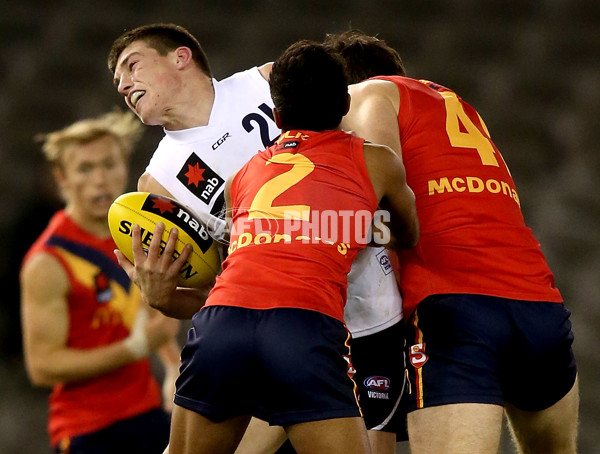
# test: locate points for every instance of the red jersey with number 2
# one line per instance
(301, 211)
(473, 236)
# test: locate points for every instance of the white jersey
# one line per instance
(193, 165)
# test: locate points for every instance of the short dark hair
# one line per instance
(309, 87)
(162, 37)
(365, 56)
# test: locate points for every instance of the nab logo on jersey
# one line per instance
(200, 179)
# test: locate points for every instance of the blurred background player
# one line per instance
(281, 302)
(85, 332)
(488, 330)
(211, 129)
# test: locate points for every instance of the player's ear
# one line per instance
(61, 180)
(277, 118)
(183, 57)
(59, 175)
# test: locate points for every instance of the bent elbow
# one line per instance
(39, 373)
(39, 378)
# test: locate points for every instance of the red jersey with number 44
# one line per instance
(301, 211)
(473, 236)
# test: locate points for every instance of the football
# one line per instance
(146, 210)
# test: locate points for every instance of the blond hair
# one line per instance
(123, 126)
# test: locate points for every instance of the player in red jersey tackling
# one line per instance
(270, 340)
(212, 128)
(488, 329)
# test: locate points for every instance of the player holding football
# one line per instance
(211, 129)
(85, 331)
(488, 329)
(278, 304)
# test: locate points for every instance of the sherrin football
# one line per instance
(146, 210)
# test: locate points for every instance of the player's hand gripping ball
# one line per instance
(146, 210)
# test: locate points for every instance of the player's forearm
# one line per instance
(70, 364)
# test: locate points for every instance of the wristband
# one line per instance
(137, 344)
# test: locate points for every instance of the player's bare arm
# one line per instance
(389, 182)
(45, 317)
(147, 183)
(373, 113)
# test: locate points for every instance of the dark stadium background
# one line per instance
(530, 68)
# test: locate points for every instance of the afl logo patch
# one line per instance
(377, 383)
(384, 262)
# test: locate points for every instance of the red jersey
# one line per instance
(301, 211)
(473, 236)
(102, 307)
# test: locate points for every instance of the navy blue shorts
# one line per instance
(285, 366)
(147, 433)
(482, 349)
(381, 378)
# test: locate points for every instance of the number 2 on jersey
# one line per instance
(472, 138)
(262, 204)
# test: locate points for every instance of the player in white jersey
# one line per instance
(211, 129)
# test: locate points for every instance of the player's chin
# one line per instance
(148, 118)
(99, 209)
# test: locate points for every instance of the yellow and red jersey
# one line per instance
(473, 235)
(102, 304)
(301, 211)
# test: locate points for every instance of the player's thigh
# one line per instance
(330, 436)
(456, 429)
(382, 442)
(549, 431)
(193, 433)
(381, 379)
(261, 438)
